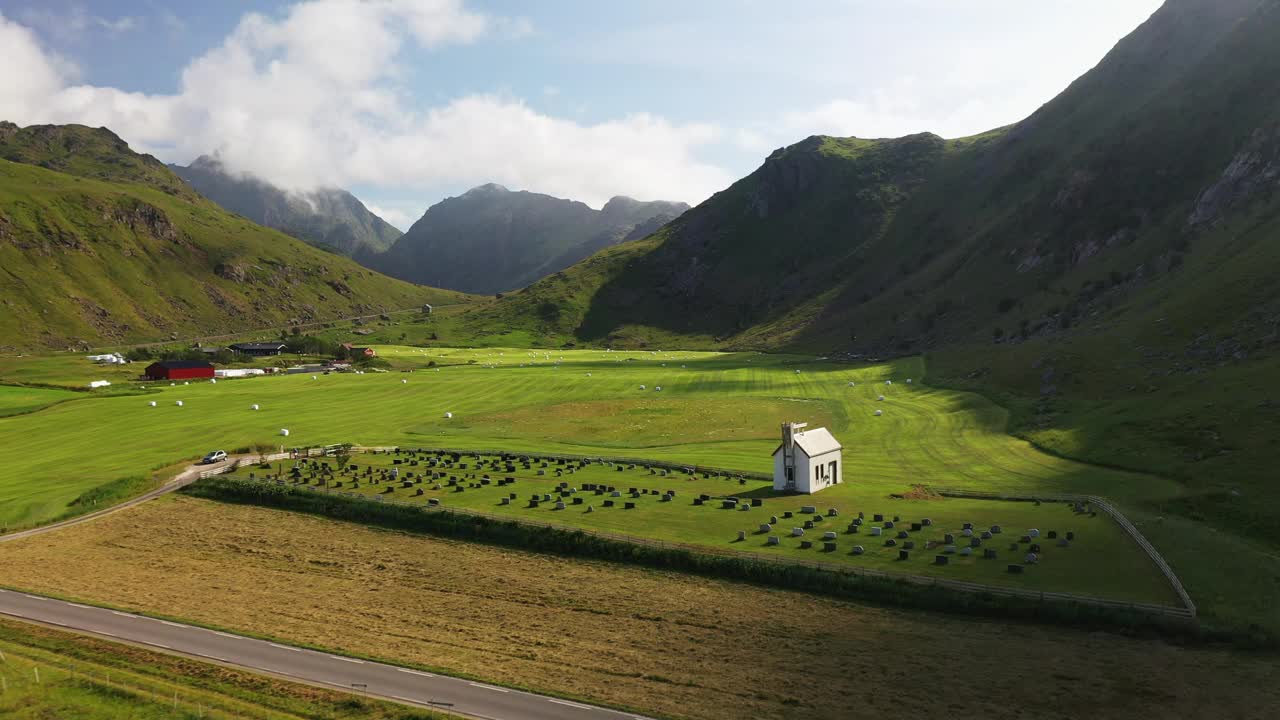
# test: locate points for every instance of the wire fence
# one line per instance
(1185, 613)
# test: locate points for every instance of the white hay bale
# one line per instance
(186, 383)
(178, 403)
(908, 381)
(880, 398)
(404, 382)
(152, 403)
(448, 416)
(588, 374)
(888, 382)
(313, 377)
(254, 406)
(852, 383)
(213, 381)
(642, 387)
(284, 432)
(657, 388)
(879, 413)
(797, 372)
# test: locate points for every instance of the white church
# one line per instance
(807, 460)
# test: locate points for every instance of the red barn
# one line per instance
(353, 351)
(179, 370)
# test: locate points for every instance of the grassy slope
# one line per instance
(101, 244)
(658, 642)
(118, 262)
(83, 677)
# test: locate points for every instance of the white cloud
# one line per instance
(310, 98)
(397, 217)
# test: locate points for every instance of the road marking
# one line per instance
(35, 597)
(117, 612)
(170, 624)
(101, 632)
(489, 687)
(218, 632)
(405, 699)
(571, 704)
(156, 644)
(82, 607)
(284, 647)
(347, 659)
(415, 672)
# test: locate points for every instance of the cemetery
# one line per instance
(955, 538)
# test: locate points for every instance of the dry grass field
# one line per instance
(664, 643)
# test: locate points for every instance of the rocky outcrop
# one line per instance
(1254, 169)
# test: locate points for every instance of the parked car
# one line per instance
(216, 456)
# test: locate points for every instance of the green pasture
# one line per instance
(714, 409)
(1101, 561)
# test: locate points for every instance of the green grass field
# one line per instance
(713, 409)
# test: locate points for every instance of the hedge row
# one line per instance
(513, 534)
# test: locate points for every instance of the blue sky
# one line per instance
(409, 101)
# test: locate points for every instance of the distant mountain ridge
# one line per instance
(491, 239)
(328, 218)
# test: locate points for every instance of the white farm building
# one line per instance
(807, 460)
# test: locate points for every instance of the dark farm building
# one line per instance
(258, 349)
(179, 370)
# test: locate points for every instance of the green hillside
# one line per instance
(140, 257)
(1105, 266)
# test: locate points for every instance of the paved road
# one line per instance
(182, 479)
(404, 685)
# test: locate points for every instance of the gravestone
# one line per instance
(890, 543)
(948, 539)
(858, 550)
(909, 544)
(755, 502)
(1071, 535)
(877, 517)
(808, 524)
(1052, 534)
(888, 524)
(941, 560)
(808, 509)
(904, 554)
(832, 512)
(1063, 542)
(786, 514)
(986, 535)
(629, 506)
(926, 522)
(875, 531)
(797, 532)
(903, 535)
(989, 554)
(765, 527)
(966, 551)
(975, 542)
(967, 532)
(577, 501)
(828, 536)
(772, 540)
(828, 547)
(608, 503)
(505, 501)
(1015, 569)
(857, 520)
(742, 535)
(806, 544)
(915, 527)
(773, 519)
(560, 505)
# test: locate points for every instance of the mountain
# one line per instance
(327, 218)
(99, 244)
(491, 240)
(1105, 267)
